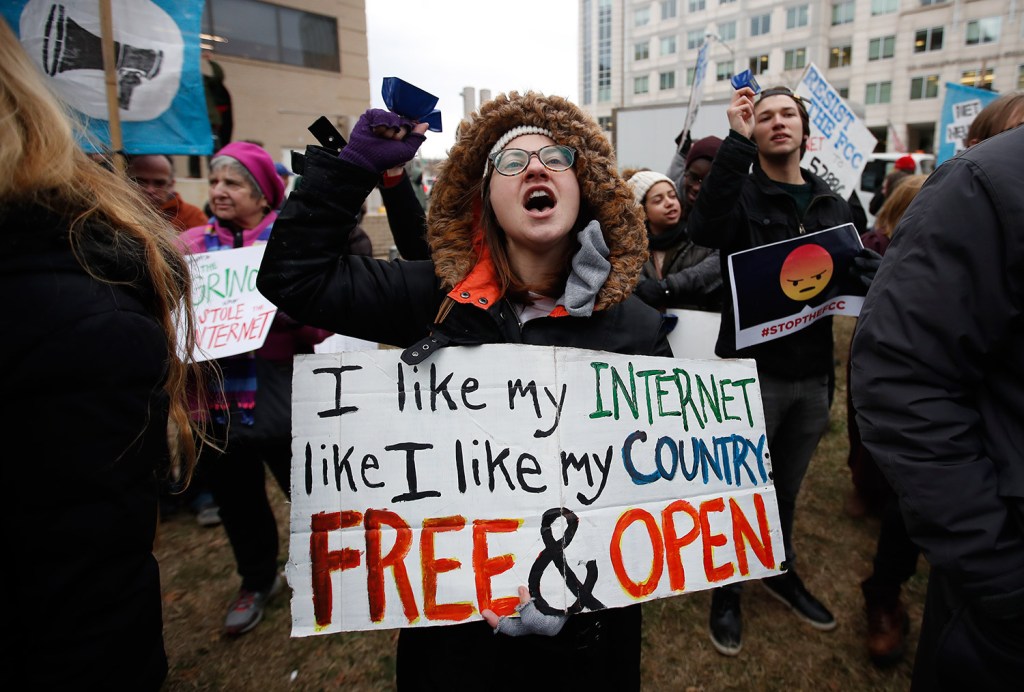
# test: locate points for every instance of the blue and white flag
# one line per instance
(161, 101)
(961, 106)
(697, 89)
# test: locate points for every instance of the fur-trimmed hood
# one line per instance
(455, 200)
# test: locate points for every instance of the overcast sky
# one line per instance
(445, 45)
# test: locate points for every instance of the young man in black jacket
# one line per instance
(739, 209)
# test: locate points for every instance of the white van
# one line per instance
(881, 164)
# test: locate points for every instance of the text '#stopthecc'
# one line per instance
(408, 101)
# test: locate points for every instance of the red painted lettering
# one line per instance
(377, 563)
(486, 567)
(648, 585)
(432, 566)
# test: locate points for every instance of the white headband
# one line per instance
(512, 134)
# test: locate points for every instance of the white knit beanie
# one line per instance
(512, 134)
(643, 181)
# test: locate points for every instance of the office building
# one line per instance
(890, 59)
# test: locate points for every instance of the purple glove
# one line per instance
(378, 152)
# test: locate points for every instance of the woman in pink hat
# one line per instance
(250, 405)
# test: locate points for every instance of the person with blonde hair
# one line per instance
(93, 389)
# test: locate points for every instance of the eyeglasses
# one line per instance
(554, 157)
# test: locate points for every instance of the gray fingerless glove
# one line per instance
(530, 621)
(375, 153)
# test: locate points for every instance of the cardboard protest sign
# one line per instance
(161, 104)
(840, 143)
(231, 316)
(782, 287)
(422, 495)
(962, 105)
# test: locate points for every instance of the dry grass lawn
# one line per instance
(779, 652)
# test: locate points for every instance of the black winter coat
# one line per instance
(84, 364)
(938, 375)
(737, 210)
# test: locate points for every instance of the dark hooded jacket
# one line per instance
(938, 381)
(84, 365)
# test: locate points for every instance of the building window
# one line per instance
(588, 46)
(759, 64)
(928, 39)
(605, 122)
(842, 12)
(983, 31)
(796, 16)
(1020, 76)
(668, 45)
(642, 16)
(604, 51)
(694, 39)
(691, 74)
(667, 80)
(840, 56)
(696, 5)
(261, 31)
(881, 48)
(844, 91)
(924, 87)
(726, 2)
(668, 9)
(795, 59)
(761, 24)
(878, 92)
(642, 51)
(725, 70)
(884, 7)
(978, 79)
(640, 85)
(727, 31)
(926, 3)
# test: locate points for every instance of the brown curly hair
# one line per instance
(454, 219)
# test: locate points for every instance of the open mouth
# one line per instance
(539, 200)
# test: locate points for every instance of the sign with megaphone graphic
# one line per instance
(160, 102)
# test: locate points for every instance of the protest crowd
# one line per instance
(532, 238)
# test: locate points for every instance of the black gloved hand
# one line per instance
(654, 293)
(864, 266)
(376, 143)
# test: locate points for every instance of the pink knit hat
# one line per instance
(260, 165)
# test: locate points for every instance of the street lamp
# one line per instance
(718, 38)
